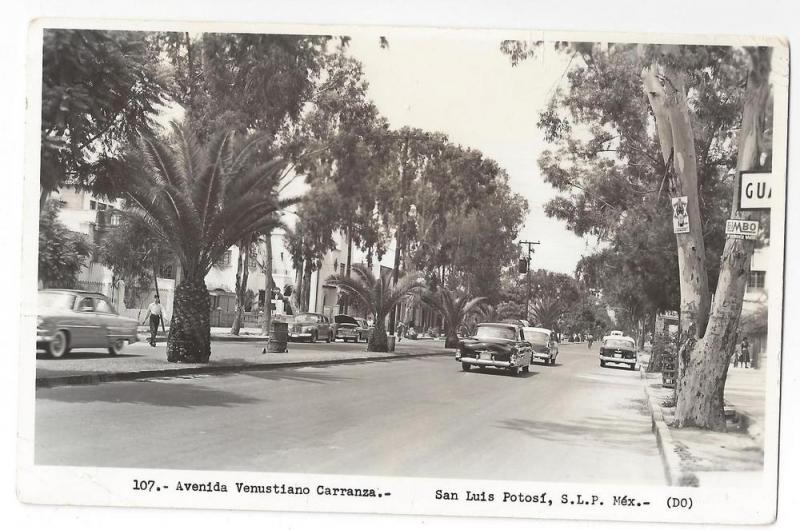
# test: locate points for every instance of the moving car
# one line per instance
(497, 345)
(311, 327)
(69, 319)
(347, 328)
(544, 346)
(619, 350)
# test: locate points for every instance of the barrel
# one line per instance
(278, 337)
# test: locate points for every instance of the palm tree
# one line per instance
(200, 200)
(378, 295)
(454, 305)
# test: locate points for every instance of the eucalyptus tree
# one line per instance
(200, 199)
(99, 89)
(378, 295)
(665, 121)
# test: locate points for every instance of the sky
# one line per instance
(462, 85)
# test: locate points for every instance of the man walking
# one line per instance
(155, 312)
(745, 353)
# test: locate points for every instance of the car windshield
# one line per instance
(619, 343)
(306, 318)
(345, 319)
(537, 337)
(56, 300)
(495, 332)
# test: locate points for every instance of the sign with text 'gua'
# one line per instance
(755, 191)
(741, 229)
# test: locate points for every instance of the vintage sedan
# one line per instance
(69, 319)
(496, 345)
(618, 350)
(347, 328)
(311, 327)
(544, 346)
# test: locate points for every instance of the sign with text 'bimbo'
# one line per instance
(755, 191)
(741, 229)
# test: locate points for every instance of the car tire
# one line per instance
(314, 337)
(328, 338)
(526, 369)
(465, 367)
(116, 347)
(59, 346)
(602, 364)
(515, 371)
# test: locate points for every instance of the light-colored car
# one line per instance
(347, 328)
(311, 327)
(69, 319)
(618, 350)
(543, 344)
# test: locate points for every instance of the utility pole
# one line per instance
(528, 273)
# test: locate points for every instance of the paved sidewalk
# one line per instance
(704, 458)
(141, 360)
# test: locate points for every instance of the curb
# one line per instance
(217, 338)
(93, 379)
(667, 448)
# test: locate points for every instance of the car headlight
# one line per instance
(40, 322)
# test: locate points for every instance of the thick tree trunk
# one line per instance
(666, 91)
(379, 340)
(451, 339)
(266, 324)
(306, 300)
(242, 273)
(297, 292)
(700, 400)
(189, 338)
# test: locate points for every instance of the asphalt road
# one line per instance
(420, 417)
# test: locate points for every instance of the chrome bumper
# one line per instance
(485, 362)
(617, 360)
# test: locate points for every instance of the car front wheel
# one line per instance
(59, 346)
(116, 347)
(465, 367)
(602, 363)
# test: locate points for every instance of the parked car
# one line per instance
(544, 345)
(364, 329)
(619, 350)
(497, 345)
(347, 328)
(69, 319)
(311, 327)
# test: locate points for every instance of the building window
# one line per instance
(224, 261)
(114, 219)
(755, 279)
(93, 205)
(101, 206)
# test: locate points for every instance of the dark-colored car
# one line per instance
(69, 319)
(497, 345)
(311, 327)
(620, 350)
(347, 328)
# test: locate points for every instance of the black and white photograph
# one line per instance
(404, 271)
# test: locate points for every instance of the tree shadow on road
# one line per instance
(303, 375)
(75, 355)
(604, 432)
(173, 392)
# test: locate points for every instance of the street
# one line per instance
(419, 417)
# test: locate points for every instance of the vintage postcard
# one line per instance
(403, 271)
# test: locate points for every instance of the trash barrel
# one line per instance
(278, 337)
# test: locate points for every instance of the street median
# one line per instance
(141, 361)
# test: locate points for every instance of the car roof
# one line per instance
(531, 328)
(499, 324)
(72, 291)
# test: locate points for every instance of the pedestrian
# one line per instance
(155, 313)
(745, 353)
(590, 339)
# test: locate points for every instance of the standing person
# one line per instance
(590, 339)
(155, 313)
(745, 353)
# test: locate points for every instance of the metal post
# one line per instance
(530, 251)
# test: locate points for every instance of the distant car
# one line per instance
(496, 345)
(311, 327)
(69, 319)
(544, 346)
(347, 328)
(619, 350)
